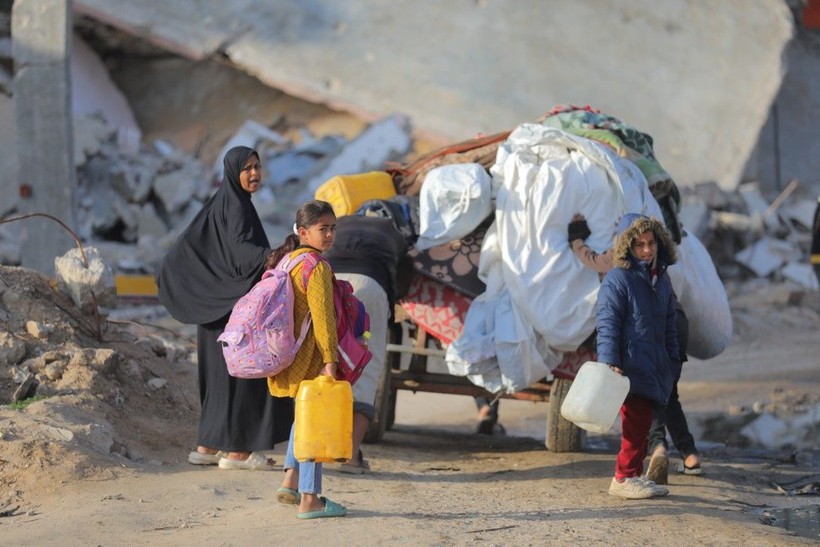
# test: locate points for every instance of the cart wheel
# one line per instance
(385, 395)
(391, 409)
(562, 435)
(384, 408)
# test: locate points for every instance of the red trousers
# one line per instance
(636, 419)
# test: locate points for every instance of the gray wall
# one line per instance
(698, 75)
(789, 144)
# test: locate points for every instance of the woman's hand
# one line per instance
(329, 370)
(616, 369)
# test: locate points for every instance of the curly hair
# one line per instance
(667, 250)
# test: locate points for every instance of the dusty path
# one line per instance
(433, 481)
(429, 488)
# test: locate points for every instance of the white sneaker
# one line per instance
(633, 488)
(656, 488)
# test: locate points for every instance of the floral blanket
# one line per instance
(454, 264)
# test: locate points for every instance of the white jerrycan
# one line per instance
(595, 396)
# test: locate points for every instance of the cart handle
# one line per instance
(398, 348)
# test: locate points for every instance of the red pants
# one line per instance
(636, 419)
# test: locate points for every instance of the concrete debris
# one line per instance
(386, 140)
(756, 204)
(290, 165)
(38, 329)
(84, 382)
(88, 285)
(801, 274)
(695, 215)
(90, 131)
(26, 389)
(747, 235)
(771, 431)
(487, 85)
(54, 370)
(157, 383)
(800, 213)
(176, 188)
(784, 420)
(94, 93)
(149, 198)
(765, 256)
(12, 349)
(58, 433)
(738, 222)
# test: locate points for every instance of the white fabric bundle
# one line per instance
(454, 199)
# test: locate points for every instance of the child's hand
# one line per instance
(616, 369)
(329, 370)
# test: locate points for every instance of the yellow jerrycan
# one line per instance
(323, 427)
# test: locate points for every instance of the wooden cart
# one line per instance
(561, 435)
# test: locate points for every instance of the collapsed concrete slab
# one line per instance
(93, 92)
(684, 72)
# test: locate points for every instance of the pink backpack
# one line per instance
(352, 321)
(258, 340)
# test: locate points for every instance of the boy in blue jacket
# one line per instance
(635, 320)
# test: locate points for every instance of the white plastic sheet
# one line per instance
(703, 297)
(454, 200)
(540, 299)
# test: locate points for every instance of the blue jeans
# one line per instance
(310, 473)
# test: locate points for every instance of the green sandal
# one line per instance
(331, 509)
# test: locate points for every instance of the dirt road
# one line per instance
(433, 482)
(428, 488)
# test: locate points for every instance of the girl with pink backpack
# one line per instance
(313, 234)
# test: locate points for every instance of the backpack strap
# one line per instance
(307, 269)
(287, 264)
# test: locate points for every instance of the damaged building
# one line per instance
(156, 97)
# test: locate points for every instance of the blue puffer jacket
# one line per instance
(636, 320)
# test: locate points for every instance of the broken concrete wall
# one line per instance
(93, 92)
(698, 76)
(789, 143)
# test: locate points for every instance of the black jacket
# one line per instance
(370, 246)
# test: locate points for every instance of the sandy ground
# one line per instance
(433, 482)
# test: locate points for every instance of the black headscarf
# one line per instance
(221, 254)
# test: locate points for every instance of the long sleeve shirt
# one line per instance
(598, 262)
(320, 345)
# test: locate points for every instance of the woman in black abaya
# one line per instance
(218, 258)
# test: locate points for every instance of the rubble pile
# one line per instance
(786, 420)
(132, 207)
(80, 393)
(750, 238)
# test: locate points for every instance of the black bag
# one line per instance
(402, 210)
